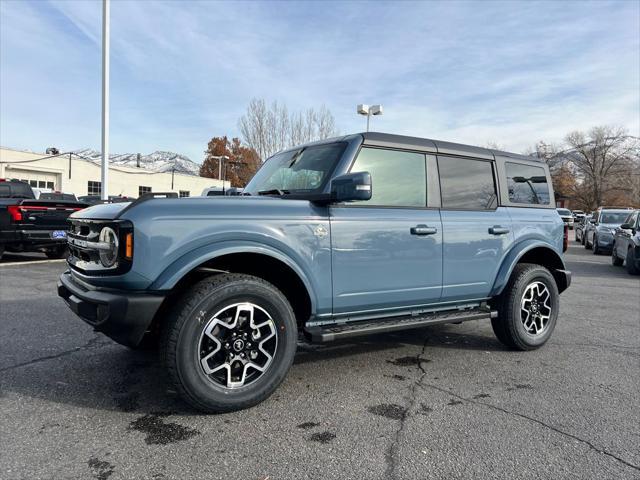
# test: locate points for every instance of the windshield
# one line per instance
(297, 171)
(562, 211)
(614, 218)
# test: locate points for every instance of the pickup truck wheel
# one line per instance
(527, 308)
(58, 252)
(229, 342)
(632, 268)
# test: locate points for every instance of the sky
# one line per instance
(510, 73)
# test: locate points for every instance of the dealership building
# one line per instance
(71, 173)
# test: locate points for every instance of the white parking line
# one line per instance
(31, 262)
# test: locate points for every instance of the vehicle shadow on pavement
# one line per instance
(107, 376)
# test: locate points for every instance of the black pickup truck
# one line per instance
(30, 225)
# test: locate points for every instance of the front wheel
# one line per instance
(230, 342)
(596, 247)
(527, 308)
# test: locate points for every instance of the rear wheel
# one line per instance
(230, 342)
(616, 261)
(57, 252)
(632, 268)
(527, 308)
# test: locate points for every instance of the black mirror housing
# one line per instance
(626, 226)
(351, 187)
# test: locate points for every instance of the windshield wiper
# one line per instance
(273, 191)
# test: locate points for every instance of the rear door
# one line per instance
(387, 251)
(476, 233)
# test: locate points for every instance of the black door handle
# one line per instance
(498, 230)
(423, 230)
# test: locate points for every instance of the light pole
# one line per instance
(104, 177)
(369, 110)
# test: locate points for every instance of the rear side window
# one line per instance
(467, 184)
(527, 184)
(398, 179)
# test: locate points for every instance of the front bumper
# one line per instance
(605, 241)
(121, 315)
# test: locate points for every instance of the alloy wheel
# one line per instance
(535, 308)
(238, 345)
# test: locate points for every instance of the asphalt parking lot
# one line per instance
(442, 402)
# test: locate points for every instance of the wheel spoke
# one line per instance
(535, 307)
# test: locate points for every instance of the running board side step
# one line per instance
(329, 333)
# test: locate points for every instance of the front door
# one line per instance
(387, 251)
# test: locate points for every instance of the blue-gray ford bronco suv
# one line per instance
(361, 234)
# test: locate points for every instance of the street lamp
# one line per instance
(369, 110)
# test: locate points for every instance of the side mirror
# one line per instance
(626, 226)
(592, 220)
(350, 187)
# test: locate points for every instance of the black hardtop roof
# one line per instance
(391, 140)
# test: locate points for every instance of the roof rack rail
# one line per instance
(147, 196)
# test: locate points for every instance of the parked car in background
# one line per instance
(96, 199)
(219, 191)
(28, 224)
(577, 215)
(566, 216)
(626, 244)
(362, 234)
(599, 233)
(579, 228)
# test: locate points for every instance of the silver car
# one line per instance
(602, 227)
(566, 216)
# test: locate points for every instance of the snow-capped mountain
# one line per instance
(156, 161)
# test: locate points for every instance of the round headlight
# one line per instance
(109, 256)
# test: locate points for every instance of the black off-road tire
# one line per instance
(508, 326)
(57, 252)
(183, 328)
(616, 261)
(632, 268)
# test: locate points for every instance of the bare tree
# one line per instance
(606, 160)
(270, 129)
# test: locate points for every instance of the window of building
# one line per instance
(184, 193)
(94, 188)
(527, 184)
(50, 185)
(397, 178)
(33, 183)
(142, 190)
(467, 184)
(42, 184)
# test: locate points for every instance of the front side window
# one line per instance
(467, 184)
(528, 185)
(398, 179)
(297, 171)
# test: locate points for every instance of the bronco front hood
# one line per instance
(103, 211)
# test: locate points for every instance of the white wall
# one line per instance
(73, 176)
